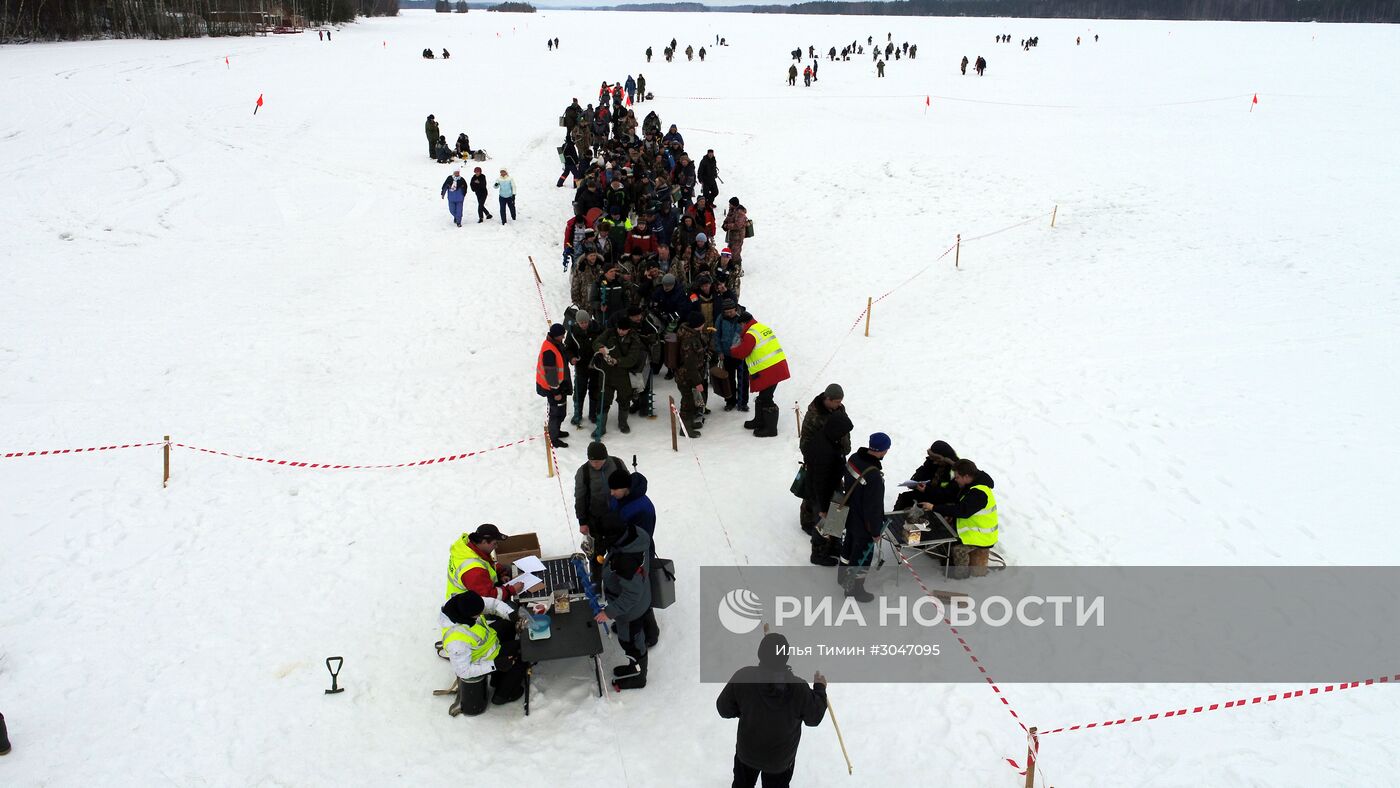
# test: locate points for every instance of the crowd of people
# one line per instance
(651, 288)
(654, 296)
(670, 51)
(944, 485)
(880, 55)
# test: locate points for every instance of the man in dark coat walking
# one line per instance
(708, 172)
(771, 705)
(865, 481)
(825, 440)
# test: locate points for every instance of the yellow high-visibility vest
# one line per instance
(980, 530)
(766, 350)
(479, 637)
(463, 557)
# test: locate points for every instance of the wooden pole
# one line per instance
(675, 443)
(548, 452)
(869, 304)
(839, 738)
(957, 251)
(797, 416)
(1053, 214)
(165, 480)
(1030, 759)
(533, 268)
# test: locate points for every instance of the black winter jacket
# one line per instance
(772, 705)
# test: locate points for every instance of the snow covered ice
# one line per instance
(1196, 365)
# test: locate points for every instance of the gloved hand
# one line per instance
(504, 661)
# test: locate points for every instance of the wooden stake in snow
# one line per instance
(797, 416)
(165, 480)
(869, 304)
(675, 444)
(548, 452)
(957, 251)
(1030, 759)
(1053, 214)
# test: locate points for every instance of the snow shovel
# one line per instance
(335, 673)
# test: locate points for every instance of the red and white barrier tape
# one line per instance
(341, 467)
(50, 452)
(963, 642)
(1233, 704)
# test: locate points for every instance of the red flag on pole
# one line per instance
(226, 61)
(926, 101)
(1255, 101)
(259, 104)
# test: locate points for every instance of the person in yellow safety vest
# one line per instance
(470, 566)
(767, 365)
(552, 382)
(974, 516)
(478, 649)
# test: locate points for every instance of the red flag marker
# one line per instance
(926, 103)
(226, 65)
(259, 104)
(1255, 101)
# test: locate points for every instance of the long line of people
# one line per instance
(650, 287)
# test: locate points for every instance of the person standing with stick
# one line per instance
(771, 705)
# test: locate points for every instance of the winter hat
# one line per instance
(582, 316)
(725, 252)
(726, 304)
(556, 330)
(668, 280)
(733, 200)
(597, 451)
(772, 651)
(476, 170)
(880, 442)
(430, 117)
(701, 238)
(834, 391)
(695, 320)
(590, 231)
(486, 532)
(634, 311)
(619, 479)
(464, 608)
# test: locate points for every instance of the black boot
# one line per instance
(4, 737)
(767, 422)
(821, 552)
(636, 678)
(855, 587)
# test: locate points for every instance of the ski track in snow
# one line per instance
(1151, 382)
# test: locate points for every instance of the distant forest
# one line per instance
(47, 20)
(1235, 10)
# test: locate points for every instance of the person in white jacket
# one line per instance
(479, 649)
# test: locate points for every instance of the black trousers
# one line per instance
(557, 406)
(765, 397)
(745, 776)
(481, 212)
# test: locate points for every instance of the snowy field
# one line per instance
(1196, 366)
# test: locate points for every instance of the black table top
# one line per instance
(573, 634)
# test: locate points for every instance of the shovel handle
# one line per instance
(334, 671)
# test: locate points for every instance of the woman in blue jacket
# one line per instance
(505, 190)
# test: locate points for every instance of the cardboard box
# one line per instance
(509, 550)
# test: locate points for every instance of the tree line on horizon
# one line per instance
(1203, 10)
(50, 20)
